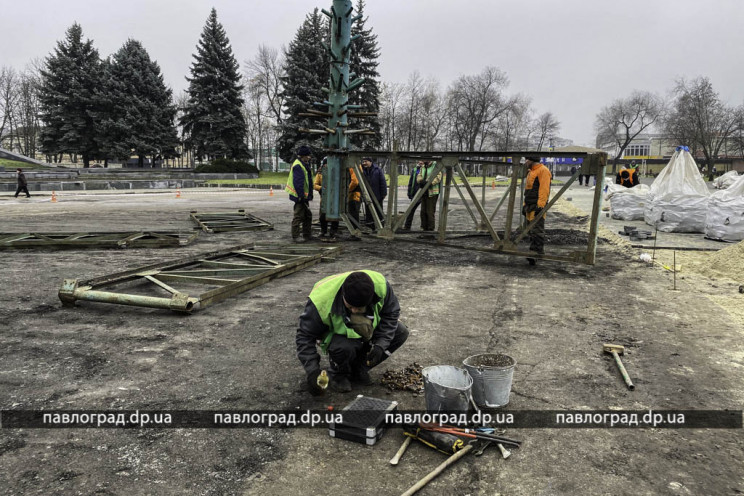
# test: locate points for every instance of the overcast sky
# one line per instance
(572, 57)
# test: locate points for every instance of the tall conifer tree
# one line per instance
(68, 100)
(306, 67)
(363, 61)
(141, 120)
(213, 122)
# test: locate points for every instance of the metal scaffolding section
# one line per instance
(449, 164)
(103, 240)
(209, 277)
(213, 222)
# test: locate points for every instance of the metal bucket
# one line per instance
(491, 383)
(447, 388)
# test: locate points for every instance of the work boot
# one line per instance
(361, 376)
(340, 383)
(532, 261)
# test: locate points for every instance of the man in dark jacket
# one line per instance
(300, 190)
(354, 317)
(22, 184)
(627, 178)
(378, 188)
(413, 188)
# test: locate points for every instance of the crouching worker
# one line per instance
(354, 318)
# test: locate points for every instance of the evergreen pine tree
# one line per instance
(68, 99)
(213, 120)
(141, 120)
(363, 61)
(306, 67)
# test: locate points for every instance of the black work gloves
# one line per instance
(375, 355)
(312, 383)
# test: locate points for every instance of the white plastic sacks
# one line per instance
(726, 180)
(725, 219)
(678, 199)
(629, 203)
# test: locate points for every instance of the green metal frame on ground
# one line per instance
(213, 222)
(68, 240)
(214, 276)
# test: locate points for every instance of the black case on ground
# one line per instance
(364, 420)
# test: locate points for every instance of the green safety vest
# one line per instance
(324, 293)
(426, 173)
(290, 183)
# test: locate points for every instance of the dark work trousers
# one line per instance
(428, 212)
(22, 188)
(349, 355)
(537, 236)
(409, 219)
(324, 225)
(353, 211)
(302, 216)
(586, 179)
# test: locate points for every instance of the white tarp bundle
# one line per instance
(726, 180)
(678, 199)
(725, 219)
(629, 203)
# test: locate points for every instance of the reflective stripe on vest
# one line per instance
(290, 180)
(323, 295)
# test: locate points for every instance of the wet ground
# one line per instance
(683, 352)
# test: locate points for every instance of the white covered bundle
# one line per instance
(629, 203)
(678, 199)
(726, 180)
(725, 218)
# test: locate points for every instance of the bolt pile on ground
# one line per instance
(408, 379)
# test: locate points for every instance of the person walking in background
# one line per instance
(301, 193)
(22, 184)
(378, 188)
(431, 195)
(413, 187)
(318, 186)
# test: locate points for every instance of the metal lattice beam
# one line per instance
(70, 240)
(195, 282)
(213, 222)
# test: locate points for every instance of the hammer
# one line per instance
(616, 351)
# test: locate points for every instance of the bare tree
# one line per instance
(8, 101)
(476, 102)
(257, 111)
(412, 105)
(390, 104)
(265, 72)
(513, 125)
(547, 126)
(698, 117)
(433, 112)
(625, 118)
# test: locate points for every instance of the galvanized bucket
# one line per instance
(447, 388)
(491, 383)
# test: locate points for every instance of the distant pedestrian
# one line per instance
(586, 180)
(300, 191)
(22, 184)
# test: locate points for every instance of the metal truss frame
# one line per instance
(449, 164)
(213, 222)
(71, 240)
(215, 276)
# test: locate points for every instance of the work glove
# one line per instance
(375, 355)
(312, 383)
(362, 325)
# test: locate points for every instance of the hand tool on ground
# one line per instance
(482, 448)
(447, 443)
(431, 475)
(616, 351)
(470, 433)
(394, 460)
(505, 453)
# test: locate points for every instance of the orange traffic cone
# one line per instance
(54, 197)
(493, 184)
(178, 193)
(271, 191)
